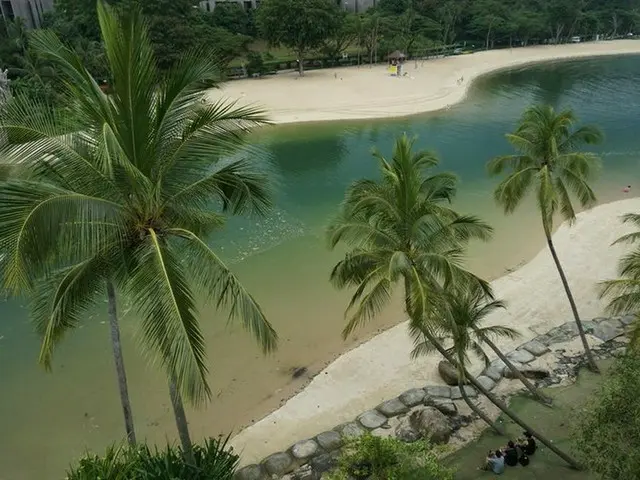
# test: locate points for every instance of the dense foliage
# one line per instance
(607, 435)
(379, 458)
(213, 460)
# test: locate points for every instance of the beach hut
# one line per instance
(396, 59)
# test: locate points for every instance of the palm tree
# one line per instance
(624, 292)
(121, 191)
(547, 161)
(460, 320)
(400, 229)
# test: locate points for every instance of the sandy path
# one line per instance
(359, 93)
(381, 368)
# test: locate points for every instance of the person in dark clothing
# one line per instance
(528, 444)
(510, 454)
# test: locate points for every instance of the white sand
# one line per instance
(381, 368)
(364, 92)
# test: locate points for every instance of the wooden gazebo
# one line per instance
(397, 56)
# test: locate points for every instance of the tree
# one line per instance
(123, 188)
(301, 25)
(547, 161)
(460, 320)
(344, 36)
(400, 230)
(624, 292)
(487, 17)
(607, 434)
(232, 17)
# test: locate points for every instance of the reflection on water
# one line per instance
(49, 418)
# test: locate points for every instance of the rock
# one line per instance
(494, 372)
(457, 395)
(372, 419)
(607, 330)
(438, 391)
(413, 397)
(304, 449)
(521, 356)
(392, 408)
(486, 382)
(543, 339)
(431, 424)
(627, 320)
(570, 327)
(448, 373)
(325, 462)
(304, 473)
(529, 372)
(278, 464)
(329, 441)
(535, 347)
(405, 432)
(506, 369)
(250, 472)
(350, 430)
(445, 406)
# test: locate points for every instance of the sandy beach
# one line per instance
(381, 368)
(362, 93)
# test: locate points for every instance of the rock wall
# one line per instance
(430, 411)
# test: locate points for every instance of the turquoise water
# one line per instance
(47, 419)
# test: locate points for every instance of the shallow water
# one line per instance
(47, 419)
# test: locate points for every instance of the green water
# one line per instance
(47, 419)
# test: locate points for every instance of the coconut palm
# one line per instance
(401, 230)
(624, 292)
(548, 162)
(461, 321)
(120, 192)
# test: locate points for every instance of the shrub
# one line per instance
(213, 461)
(389, 459)
(607, 433)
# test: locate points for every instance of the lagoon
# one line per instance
(48, 419)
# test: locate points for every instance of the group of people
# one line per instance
(511, 455)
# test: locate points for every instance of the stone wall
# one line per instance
(430, 411)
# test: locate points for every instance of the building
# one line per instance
(350, 5)
(358, 6)
(31, 11)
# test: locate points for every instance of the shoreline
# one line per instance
(380, 367)
(361, 93)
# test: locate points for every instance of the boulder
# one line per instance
(529, 372)
(329, 441)
(521, 356)
(486, 382)
(413, 397)
(535, 347)
(278, 464)
(350, 430)
(494, 372)
(448, 373)
(250, 472)
(405, 432)
(456, 394)
(607, 330)
(392, 408)
(304, 449)
(372, 419)
(438, 391)
(304, 473)
(627, 320)
(444, 405)
(325, 462)
(431, 424)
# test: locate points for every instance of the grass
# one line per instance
(553, 422)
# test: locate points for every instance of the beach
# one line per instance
(381, 368)
(354, 93)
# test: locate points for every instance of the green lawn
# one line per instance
(553, 422)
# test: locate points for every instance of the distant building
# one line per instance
(350, 5)
(358, 6)
(31, 11)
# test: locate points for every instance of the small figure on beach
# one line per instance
(627, 189)
(528, 443)
(494, 462)
(510, 453)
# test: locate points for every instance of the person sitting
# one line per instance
(510, 454)
(528, 444)
(494, 462)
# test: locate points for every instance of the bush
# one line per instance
(389, 459)
(213, 461)
(607, 433)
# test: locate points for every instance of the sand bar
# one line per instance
(381, 368)
(352, 93)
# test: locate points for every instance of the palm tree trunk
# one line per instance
(525, 381)
(503, 407)
(181, 422)
(587, 350)
(119, 361)
(475, 409)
